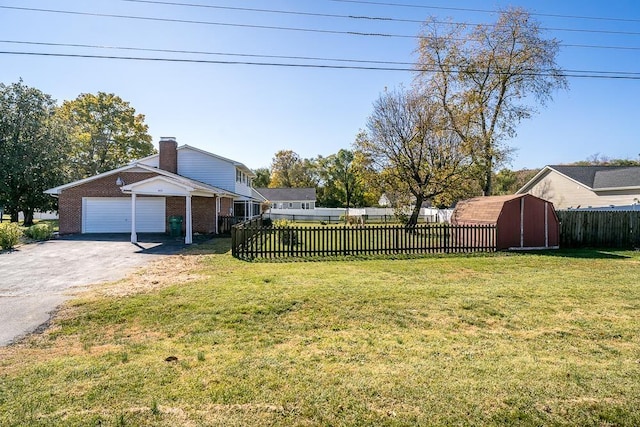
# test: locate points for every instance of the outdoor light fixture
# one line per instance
(119, 182)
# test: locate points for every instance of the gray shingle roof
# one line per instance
(288, 194)
(597, 177)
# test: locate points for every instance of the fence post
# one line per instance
(344, 240)
(447, 243)
(234, 251)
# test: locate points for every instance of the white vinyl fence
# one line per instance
(335, 215)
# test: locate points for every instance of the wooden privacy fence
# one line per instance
(250, 241)
(609, 229)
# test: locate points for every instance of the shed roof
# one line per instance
(482, 210)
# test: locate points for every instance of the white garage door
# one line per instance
(113, 215)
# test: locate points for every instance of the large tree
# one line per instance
(106, 133)
(341, 181)
(408, 139)
(263, 177)
(508, 182)
(32, 150)
(288, 170)
(487, 78)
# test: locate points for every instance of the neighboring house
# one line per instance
(573, 187)
(384, 201)
(140, 197)
(289, 198)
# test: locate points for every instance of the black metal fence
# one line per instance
(250, 240)
(226, 222)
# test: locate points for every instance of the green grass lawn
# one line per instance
(500, 339)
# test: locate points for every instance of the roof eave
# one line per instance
(530, 183)
(634, 187)
(60, 188)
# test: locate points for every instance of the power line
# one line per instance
(286, 12)
(189, 21)
(248, 55)
(463, 9)
(364, 17)
(290, 65)
(267, 27)
(199, 52)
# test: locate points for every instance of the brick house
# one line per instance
(184, 181)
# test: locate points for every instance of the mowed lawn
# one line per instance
(204, 339)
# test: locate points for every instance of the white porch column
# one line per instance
(188, 235)
(217, 212)
(134, 236)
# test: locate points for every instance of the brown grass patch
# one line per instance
(172, 270)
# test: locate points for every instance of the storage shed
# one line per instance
(522, 221)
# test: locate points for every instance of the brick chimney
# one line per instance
(168, 154)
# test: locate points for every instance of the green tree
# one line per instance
(32, 150)
(341, 182)
(106, 133)
(288, 170)
(486, 78)
(263, 178)
(508, 182)
(408, 140)
(600, 160)
(368, 178)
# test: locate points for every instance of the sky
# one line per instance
(203, 84)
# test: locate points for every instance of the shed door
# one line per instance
(113, 215)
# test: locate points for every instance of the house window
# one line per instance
(306, 205)
(238, 175)
(290, 205)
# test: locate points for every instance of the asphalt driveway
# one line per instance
(36, 278)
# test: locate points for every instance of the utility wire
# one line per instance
(463, 9)
(310, 30)
(371, 18)
(189, 21)
(284, 12)
(290, 65)
(199, 52)
(247, 55)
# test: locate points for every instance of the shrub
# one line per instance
(288, 237)
(282, 223)
(10, 234)
(40, 231)
(402, 217)
(267, 222)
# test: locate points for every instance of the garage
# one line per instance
(113, 214)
